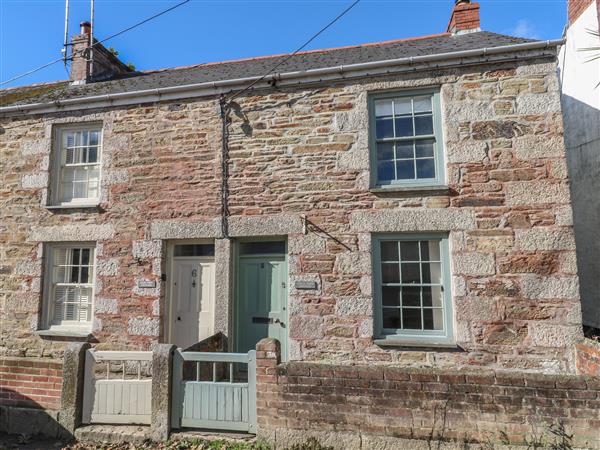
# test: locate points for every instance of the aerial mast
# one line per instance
(66, 40)
(91, 47)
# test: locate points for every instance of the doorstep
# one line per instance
(212, 435)
(113, 434)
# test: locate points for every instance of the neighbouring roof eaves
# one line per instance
(230, 70)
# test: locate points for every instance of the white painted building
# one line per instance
(579, 74)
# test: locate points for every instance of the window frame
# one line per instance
(439, 154)
(433, 337)
(49, 305)
(57, 165)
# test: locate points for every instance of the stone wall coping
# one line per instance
(498, 377)
(33, 359)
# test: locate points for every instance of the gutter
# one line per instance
(212, 88)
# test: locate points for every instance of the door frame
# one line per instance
(170, 272)
(236, 283)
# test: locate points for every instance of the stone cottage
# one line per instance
(399, 204)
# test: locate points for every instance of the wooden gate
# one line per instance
(117, 387)
(221, 398)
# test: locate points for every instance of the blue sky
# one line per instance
(31, 31)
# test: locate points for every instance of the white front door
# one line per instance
(192, 300)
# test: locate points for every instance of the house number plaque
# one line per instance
(146, 284)
(306, 285)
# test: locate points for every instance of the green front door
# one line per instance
(261, 300)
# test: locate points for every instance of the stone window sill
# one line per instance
(65, 333)
(400, 189)
(74, 206)
(398, 342)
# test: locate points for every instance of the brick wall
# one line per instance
(577, 7)
(587, 357)
(30, 382)
(334, 401)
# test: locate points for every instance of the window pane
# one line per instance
(75, 253)
(195, 250)
(390, 295)
(432, 273)
(424, 148)
(80, 174)
(391, 318)
(262, 248)
(385, 171)
(384, 128)
(411, 273)
(430, 251)
(79, 189)
(385, 151)
(422, 104)
(383, 108)
(389, 251)
(74, 274)
(432, 296)
(92, 155)
(405, 150)
(404, 126)
(69, 156)
(402, 106)
(411, 296)
(411, 319)
(425, 168)
(433, 319)
(423, 125)
(85, 256)
(94, 135)
(390, 273)
(409, 250)
(405, 170)
(93, 173)
(85, 275)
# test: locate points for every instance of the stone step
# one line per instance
(113, 434)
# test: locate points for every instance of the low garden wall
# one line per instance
(367, 406)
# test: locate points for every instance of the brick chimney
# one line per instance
(105, 64)
(465, 17)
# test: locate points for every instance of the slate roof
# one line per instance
(227, 70)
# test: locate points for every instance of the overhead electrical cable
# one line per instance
(97, 42)
(288, 57)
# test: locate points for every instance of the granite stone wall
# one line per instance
(298, 154)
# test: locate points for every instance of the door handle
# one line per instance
(178, 317)
(277, 321)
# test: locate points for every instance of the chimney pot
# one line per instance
(86, 27)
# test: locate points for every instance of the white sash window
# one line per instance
(78, 162)
(70, 290)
